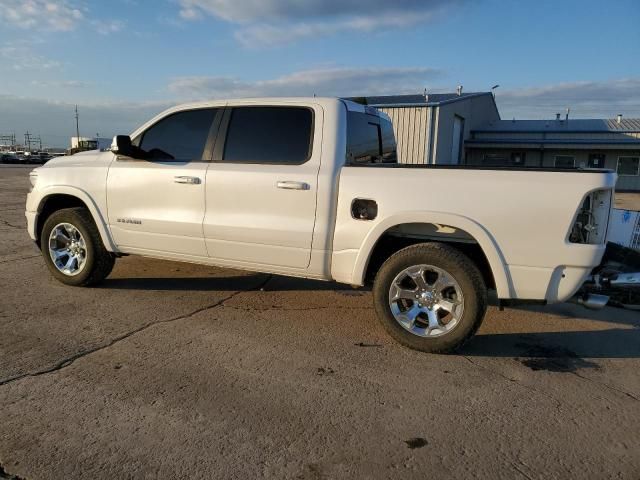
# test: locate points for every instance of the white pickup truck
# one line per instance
(310, 187)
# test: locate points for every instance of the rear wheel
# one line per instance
(430, 297)
(73, 250)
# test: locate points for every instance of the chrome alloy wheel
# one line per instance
(67, 249)
(426, 300)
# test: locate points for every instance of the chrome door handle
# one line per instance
(288, 185)
(187, 180)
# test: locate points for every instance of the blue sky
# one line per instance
(124, 60)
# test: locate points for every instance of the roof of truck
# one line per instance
(352, 106)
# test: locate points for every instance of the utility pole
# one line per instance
(77, 126)
(27, 141)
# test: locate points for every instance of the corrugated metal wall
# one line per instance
(410, 126)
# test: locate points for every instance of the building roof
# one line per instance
(571, 144)
(626, 125)
(430, 99)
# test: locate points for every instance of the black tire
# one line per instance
(457, 265)
(99, 261)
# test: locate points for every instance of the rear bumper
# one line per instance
(553, 285)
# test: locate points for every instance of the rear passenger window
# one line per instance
(274, 135)
(370, 139)
(179, 137)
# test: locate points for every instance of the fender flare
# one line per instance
(80, 194)
(497, 262)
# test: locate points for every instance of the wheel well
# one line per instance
(53, 203)
(401, 236)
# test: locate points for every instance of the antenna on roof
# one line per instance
(493, 89)
(567, 116)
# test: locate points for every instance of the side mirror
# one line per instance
(121, 145)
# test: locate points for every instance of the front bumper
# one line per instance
(32, 219)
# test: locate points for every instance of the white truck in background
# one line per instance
(310, 187)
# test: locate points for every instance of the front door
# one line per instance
(158, 204)
(261, 188)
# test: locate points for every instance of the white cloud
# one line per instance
(55, 123)
(72, 84)
(107, 27)
(56, 15)
(266, 35)
(599, 99)
(258, 10)
(53, 15)
(270, 22)
(19, 56)
(322, 81)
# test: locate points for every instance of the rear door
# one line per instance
(158, 204)
(261, 187)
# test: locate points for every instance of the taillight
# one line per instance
(590, 225)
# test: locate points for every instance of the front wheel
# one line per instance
(73, 250)
(430, 297)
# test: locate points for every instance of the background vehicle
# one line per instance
(311, 188)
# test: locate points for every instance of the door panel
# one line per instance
(263, 213)
(250, 219)
(149, 208)
(159, 203)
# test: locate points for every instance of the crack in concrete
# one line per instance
(607, 386)
(70, 360)
(285, 309)
(11, 225)
(515, 381)
(19, 259)
(520, 471)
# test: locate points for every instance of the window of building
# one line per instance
(518, 158)
(565, 161)
(495, 160)
(370, 139)
(596, 160)
(179, 137)
(273, 135)
(628, 165)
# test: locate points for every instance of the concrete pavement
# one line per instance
(181, 371)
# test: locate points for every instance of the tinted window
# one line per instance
(269, 135)
(181, 136)
(369, 139)
(628, 166)
(565, 161)
(388, 141)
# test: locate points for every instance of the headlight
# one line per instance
(33, 178)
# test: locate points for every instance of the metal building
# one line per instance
(432, 128)
(563, 143)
